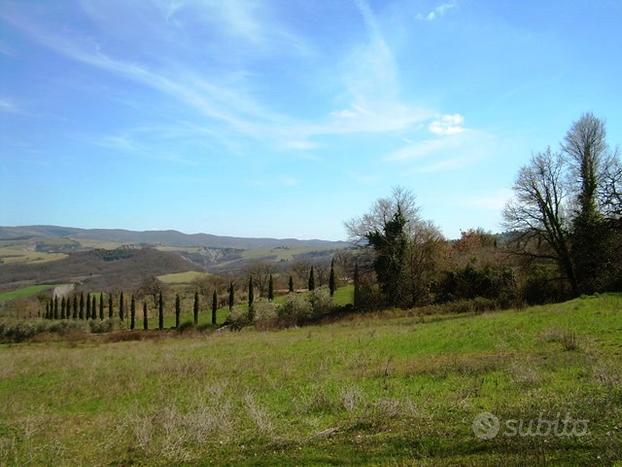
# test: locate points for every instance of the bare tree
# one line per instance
(538, 212)
(260, 271)
(381, 212)
(585, 148)
(611, 188)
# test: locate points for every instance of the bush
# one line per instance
(185, 326)
(321, 302)
(294, 311)
(107, 325)
(18, 330)
(265, 314)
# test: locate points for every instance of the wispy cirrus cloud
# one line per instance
(8, 105)
(437, 12)
(450, 124)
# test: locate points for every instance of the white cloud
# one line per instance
(7, 105)
(437, 12)
(449, 124)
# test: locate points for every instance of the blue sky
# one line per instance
(285, 118)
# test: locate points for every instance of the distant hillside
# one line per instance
(98, 269)
(159, 237)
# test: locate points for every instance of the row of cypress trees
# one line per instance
(86, 308)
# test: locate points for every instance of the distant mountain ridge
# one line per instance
(154, 237)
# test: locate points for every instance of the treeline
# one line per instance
(563, 238)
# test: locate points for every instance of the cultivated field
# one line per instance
(381, 388)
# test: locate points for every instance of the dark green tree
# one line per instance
(291, 283)
(63, 308)
(390, 254)
(132, 313)
(47, 310)
(270, 288)
(177, 310)
(88, 306)
(55, 306)
(161, 312)
(81, 315)
(75, 307)
(93, 307)
(231, 296)
(332, 283)
(214, 306)
(195, 308)
(311, 285)
(357, 292)
(145, 315)
(121, 307)
(251, 299)
(101, 306)
(110, 306)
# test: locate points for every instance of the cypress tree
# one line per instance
(161, 312)
(88, 306)
(145, 318)
(356, 298)
(81, 305)
(311, 280)
(195, 308)
(121, 307)
(332, 284)
(291, 284)
(93, 307)
(55, 306)
(270, 288)
(110, 306)
(251, 292)
(101, 306)
(132, 313)
(214, 306)
(63, 307)
(47, 310)
(177, 310)
(231, 296)
(75, 307)
(251, 299)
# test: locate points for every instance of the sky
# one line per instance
(285, 118)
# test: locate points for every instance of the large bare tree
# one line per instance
(538, 214)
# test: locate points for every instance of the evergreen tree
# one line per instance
(195, 308)
(311, 280)
(332, 284)
(291, 284)
(231, 296)
(75, 307)
(251, 299)
(81, 316)
(88, 306)
(93, 307)
(101, 306)
(47, 310)
(177, 310)
(121, 307)
(132, 313)
(55, 306)
(63, 306)
(161, 312)
(145, 315)
(270, 288)
(110, 306)
(251, 291)
(357, 297)
(214, 306)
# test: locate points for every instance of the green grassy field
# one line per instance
(24, 292)
(182, 277)
(370, 389)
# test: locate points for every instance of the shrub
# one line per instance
(265, 314)
(294, 311)
(107, 325)
(17, 330)
(185, 326)
(321, 302)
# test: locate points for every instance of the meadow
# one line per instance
(389, 387)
